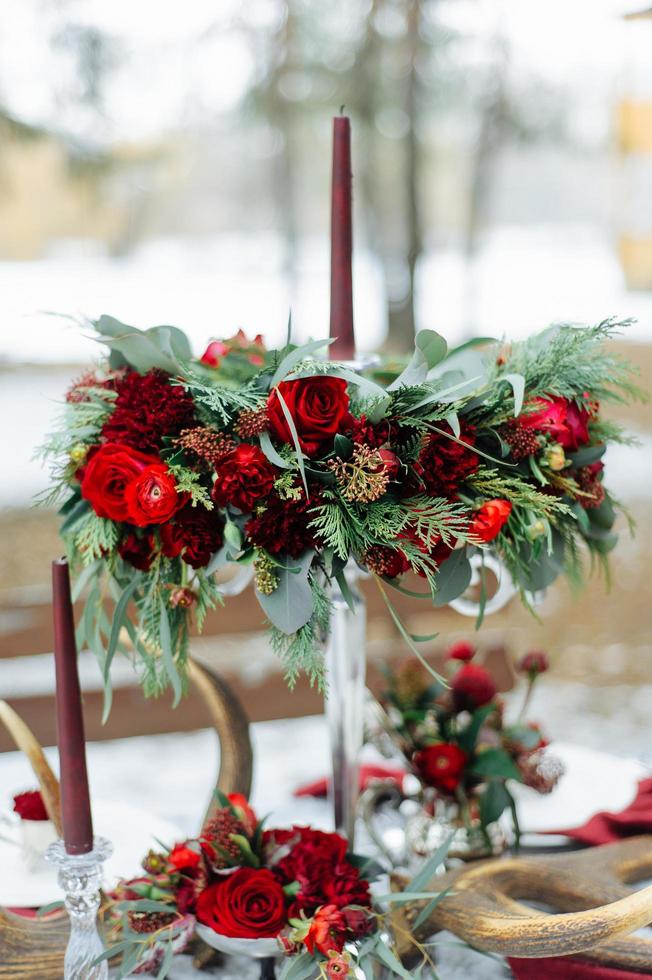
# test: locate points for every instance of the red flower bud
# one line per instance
(533, 663)
(473, 686)
(461, 651)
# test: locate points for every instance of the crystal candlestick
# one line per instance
(345, 657)
(80, 877)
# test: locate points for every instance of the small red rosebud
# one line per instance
(390, 461)
(533, 663)
(181, 857)
(215, 350)
(461, 651)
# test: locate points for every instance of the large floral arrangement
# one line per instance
(173, 466)
(298, 888)
(459, 742)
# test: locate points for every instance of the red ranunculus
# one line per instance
(30, 806)
(441, 765)
(182, 857)
(561, 419)
(195, 534)
(152, 496)
(319, 408)
(327, 931)
(473, 686)
(139, 552)
(249, 904)
(461, 651)
(488, 521)
(106, 476)
(243, 477)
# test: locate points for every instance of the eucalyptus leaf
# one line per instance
(453, 577)
(517, 382)
(429, 349)
(168, 656)
(493, 802)
(290, 605)
(272, 454)
(587, 455)
(295, 357)
(295, 439)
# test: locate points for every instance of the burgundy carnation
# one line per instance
(148, 408)
(139, 552)
(283, 525)
(195, 534)
(243, 477)
(444, 464)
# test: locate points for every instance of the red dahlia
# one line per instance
(445, 464)
(282, 526)
(195, 534)
(148, 408)
(441, 765)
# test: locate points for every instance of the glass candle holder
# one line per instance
(80, 877)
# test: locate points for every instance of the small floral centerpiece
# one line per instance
(171, 467)
(36, 829)
(464, 751)
(295, 893)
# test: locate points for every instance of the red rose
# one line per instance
(489, 519)
(181, 857)
(195, 534)
(319, 408)
(327, 931)
(106, 476)
(577, 418)
(152, 497)
(461, 651)
(243, 477)
(249, 904)
(30, 806)
(473, 686)
(139, 552)
(441, 766)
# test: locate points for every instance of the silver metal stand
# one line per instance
(345, 671)
(80, 877)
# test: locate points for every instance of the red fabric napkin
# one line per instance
(367, 774)
(565, 968)
(605, 827)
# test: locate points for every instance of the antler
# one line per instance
(26, 741)
(595, 905)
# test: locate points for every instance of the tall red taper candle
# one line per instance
(75, 802)
(343, 348)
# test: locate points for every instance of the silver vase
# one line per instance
(345, 655)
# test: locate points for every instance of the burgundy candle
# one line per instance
(343, 348)
(75, 802)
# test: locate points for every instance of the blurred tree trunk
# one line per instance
(401, 312)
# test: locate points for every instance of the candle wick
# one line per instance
(342, 108)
